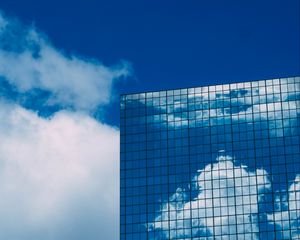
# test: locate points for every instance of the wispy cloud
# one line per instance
(224, 107)
(29, 61)
(3, 22)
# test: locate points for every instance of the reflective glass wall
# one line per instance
(213, 162)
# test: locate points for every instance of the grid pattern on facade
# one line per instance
(213, 162)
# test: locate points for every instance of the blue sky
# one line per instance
(63, 65)
(174, 43)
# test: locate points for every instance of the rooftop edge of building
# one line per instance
(233, 85)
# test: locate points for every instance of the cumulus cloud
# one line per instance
(29, 61)
(58, 176)
(227, 203)
(288, 219)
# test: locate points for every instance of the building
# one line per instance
(212, 162)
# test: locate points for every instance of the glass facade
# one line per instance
(213, 162)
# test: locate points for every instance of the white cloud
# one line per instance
(222, 186)
(29, 61)
(58, 176)
(249, 108)
(289, 219)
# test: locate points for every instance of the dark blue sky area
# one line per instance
(175, 44)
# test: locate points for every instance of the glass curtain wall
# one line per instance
(212, 162)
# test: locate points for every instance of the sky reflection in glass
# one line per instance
(214, 162)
